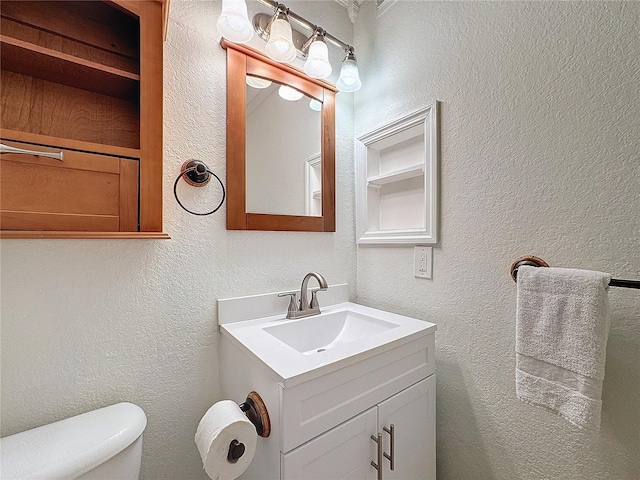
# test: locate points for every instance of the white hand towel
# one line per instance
(562, 327)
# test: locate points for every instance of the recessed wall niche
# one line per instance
(397, 172)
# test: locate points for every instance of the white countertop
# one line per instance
(290, 367)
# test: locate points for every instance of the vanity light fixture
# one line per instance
(289, 93)
(349, 80)
(315, 105)
(317, 64)
(284, 43)
(233, 22)
(280, 45)
(257, 82)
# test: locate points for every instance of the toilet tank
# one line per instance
(101, 444)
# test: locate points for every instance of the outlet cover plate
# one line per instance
(423, 262)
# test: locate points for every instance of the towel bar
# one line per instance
(534, 261)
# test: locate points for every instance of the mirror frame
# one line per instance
(242, 60)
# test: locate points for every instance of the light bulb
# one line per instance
(289, 93)
(233, 22)
(280, 45)
(236, 22)
(317, 64)
(349, 80)
(315, 105)
(257, 82)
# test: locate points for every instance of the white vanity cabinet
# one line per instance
(346, 451)
(322, 420)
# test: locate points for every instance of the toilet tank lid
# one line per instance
(71, 447)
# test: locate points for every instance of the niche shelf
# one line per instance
(396, 176)
(397, 181)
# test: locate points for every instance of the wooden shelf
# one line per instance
(22, 234)
(29, 59)
(396, 175)
(70, 144)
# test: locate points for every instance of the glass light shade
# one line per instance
(317, 64)
(280, 45)
(233, 22)
(257, 82)
(289, 93)
(315, 105)
(349, 80)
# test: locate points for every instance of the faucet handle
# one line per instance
(293, 307)
(314, 298)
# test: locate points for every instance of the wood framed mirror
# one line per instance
(274, 178)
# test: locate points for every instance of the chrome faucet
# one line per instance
(305, 308)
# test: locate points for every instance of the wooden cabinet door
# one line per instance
(345, 452)
(412, 413)
(85, 192)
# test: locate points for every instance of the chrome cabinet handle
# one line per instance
(378, 466)
(8, 149)
(391, 458)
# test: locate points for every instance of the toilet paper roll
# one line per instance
(223, 423)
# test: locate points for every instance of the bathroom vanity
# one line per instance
(350, 392)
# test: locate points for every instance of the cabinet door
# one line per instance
(412, 413)
(85, 192)
(345, 452)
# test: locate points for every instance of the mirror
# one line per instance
(280, 146)
(280, 118)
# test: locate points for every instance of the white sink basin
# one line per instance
(298, 350)
(313, 335)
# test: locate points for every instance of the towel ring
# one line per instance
(530, 260)
(197, 174)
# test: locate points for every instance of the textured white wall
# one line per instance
(89, 323)
(540, 154)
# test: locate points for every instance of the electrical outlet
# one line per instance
(423, 262)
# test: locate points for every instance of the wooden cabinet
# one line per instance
(346, 451)
(84, 78)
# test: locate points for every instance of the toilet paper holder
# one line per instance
(256, 411)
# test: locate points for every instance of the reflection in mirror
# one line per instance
(283, 144)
